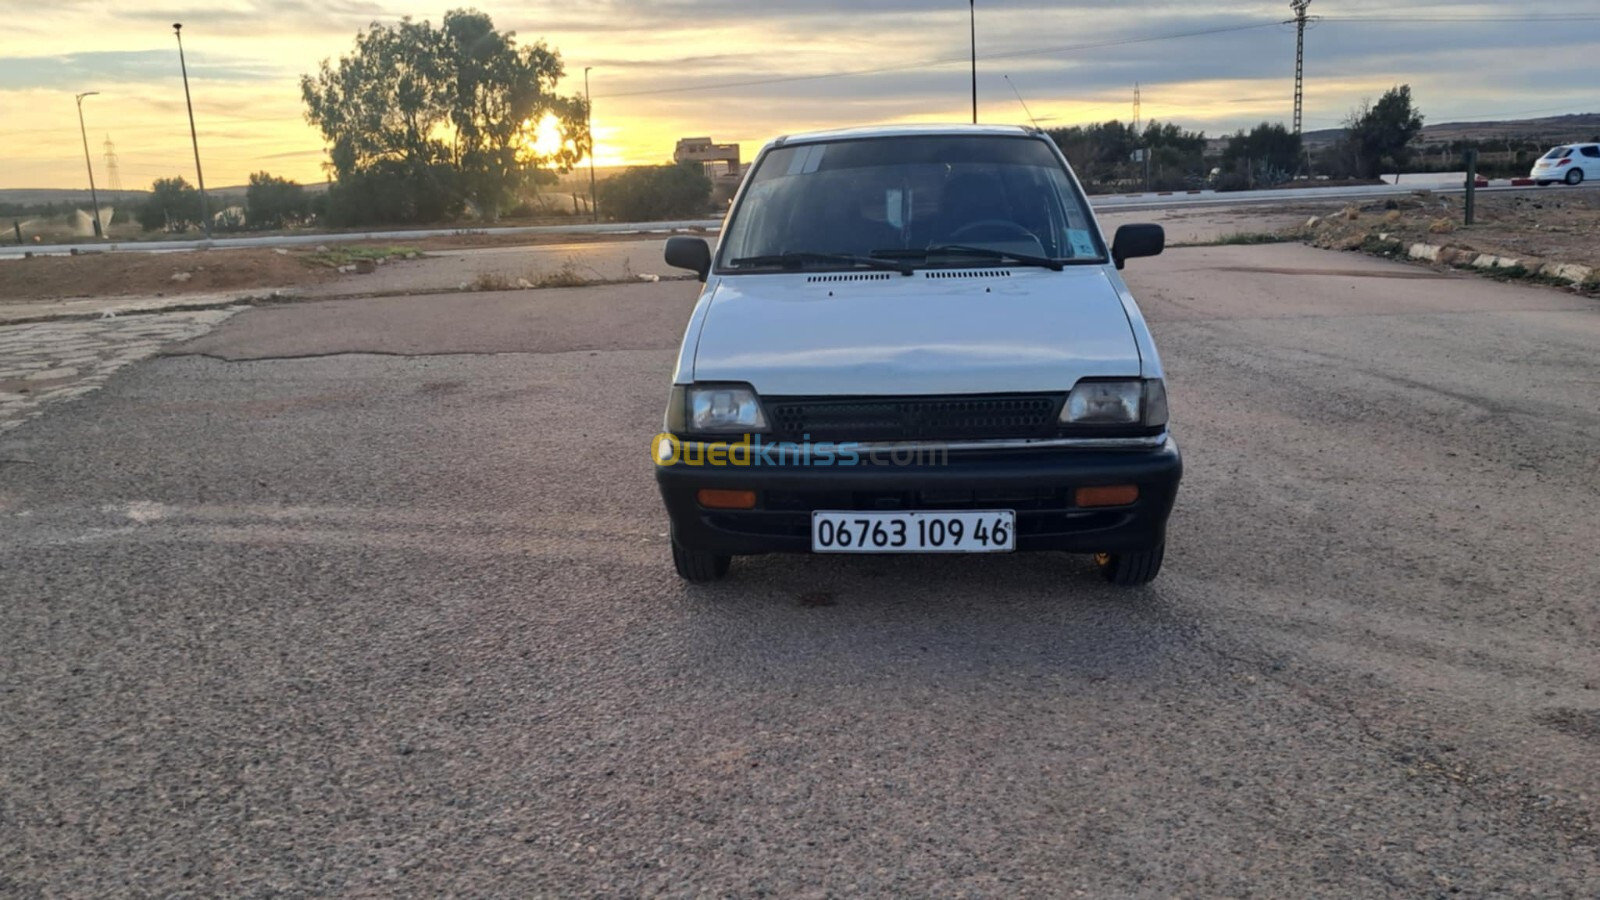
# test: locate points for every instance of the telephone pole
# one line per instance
(1300, 19)
(972, 13)
(1136, 108)
(83, 133)
(588, 126)
(205, 212)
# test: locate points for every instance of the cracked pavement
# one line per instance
(51, 362)
(374, 597)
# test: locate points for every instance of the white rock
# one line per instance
(280, 251)
(181, 276)
(1569, 272)
(346, 270)
(524, 283)
(322, 248)
(650, 278)
(1429, 252)
(1312, 222)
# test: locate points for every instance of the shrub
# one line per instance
(651, 193)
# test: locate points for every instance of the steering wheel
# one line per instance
(1010, 228)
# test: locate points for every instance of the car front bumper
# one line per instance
(1039, 484)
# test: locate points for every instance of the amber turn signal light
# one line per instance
(1113, 495)
(712, 498)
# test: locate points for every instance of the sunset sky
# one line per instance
(674, 68)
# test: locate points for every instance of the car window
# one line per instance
(1591, 151)
(1559, 153)
(880, 195)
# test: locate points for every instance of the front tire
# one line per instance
(698, 566)
(1131, 569)
(1575, 177)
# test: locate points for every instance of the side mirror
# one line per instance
(1138, 240)
(690, 253)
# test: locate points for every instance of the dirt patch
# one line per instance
(154, 274)
(122, 274)
(1537, 226)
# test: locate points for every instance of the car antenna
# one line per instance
(1020, 100)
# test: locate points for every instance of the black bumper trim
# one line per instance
(1041, 525)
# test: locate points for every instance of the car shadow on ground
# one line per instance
(955, 617)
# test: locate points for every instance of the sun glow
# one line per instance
(546, 137)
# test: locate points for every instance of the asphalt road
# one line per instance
(373, 597)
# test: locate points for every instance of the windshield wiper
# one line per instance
(794, 260)
(1025, 259)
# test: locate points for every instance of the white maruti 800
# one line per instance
(916, 340)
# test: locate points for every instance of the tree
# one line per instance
(652, 193)
(501, 94)
(173, 204)
(1267, 154)
(1382, 133)
(413, 101)
(271, 202)
(1101, 153)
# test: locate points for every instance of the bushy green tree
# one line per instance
(412, 101)
(271, 202)
(1379, 135)
(653, 193)
(173, 205)
(1102, 153)
(1266, 155)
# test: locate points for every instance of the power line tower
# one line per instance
(1300, 19)
(1136, 107)
(111, 165)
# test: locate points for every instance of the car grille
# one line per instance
(953, 418)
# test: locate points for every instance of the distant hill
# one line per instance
(32, 196)
(1549, 130)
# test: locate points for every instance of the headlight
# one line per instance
(724, 409)
(1132, 402)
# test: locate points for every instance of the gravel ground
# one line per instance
(374, 598)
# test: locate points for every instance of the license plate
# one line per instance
(975, 531)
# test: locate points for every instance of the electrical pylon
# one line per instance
(1300, 19)
(115, 178)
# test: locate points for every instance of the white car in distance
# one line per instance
(1569, 163)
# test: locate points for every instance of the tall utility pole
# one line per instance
(1300, 19)
(205, 210)
(93, 197)
(588, 126)
(972, 13)
(1136, 109)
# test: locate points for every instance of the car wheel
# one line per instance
(1575, 176)
(1129, 569)
(698, 566)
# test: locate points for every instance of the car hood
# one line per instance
(938, 331)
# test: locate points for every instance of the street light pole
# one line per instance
(93, 197)
(588, 126)
(972, 12)
(205, 211)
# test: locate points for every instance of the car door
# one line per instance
(1588, 157)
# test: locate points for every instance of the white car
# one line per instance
(916, 340)
(1571, 163)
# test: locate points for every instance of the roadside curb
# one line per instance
(1466, 258)
(88, 308)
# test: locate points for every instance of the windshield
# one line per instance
(817, 205)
